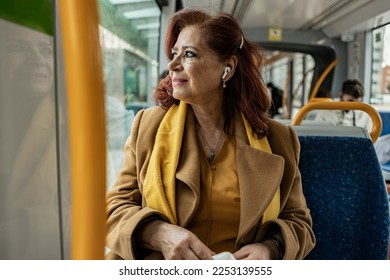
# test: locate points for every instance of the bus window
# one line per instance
(129, 37)
(380, 77)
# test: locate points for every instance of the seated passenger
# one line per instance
(207, 171)
(277, 99)
(351, 91)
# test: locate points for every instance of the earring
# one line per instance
(223, 84)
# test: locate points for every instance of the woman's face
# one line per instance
(195, 70)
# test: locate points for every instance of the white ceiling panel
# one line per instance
(331, 16)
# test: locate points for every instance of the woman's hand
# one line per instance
(258, 251)
(174, 242)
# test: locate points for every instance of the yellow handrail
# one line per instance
(316, 99)
(84, 82)
(322, 78)
(285, 114)
(339, 105)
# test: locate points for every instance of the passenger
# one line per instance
(277, 98)
(207, 171)
(351, 91)
(382, 148)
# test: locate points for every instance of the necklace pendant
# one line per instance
(210, 158)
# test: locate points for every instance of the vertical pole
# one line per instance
(85, 93)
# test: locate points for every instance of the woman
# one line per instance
(207, 171)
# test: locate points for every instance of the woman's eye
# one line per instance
(189, 54)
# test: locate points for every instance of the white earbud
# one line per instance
(227, 70)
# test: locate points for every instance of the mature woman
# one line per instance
(207, 171)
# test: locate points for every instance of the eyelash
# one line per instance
(187, 54)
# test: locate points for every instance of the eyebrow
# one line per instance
(185, 48)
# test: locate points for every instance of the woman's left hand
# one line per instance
(256, 251)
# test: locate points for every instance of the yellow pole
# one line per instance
(83, 69)
(322, 78)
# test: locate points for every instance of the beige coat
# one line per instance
(259, 175)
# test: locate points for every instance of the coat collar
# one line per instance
(259, 174)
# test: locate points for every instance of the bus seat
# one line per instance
(331, 130)
(382, 147)
(386, 171)
(347, 197)
(385, 116)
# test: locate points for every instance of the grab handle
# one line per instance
(342, 105)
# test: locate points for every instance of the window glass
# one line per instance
(129, 37)
(29, 122)
(380, 79)
(310, 64)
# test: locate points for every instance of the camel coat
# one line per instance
(259, 175)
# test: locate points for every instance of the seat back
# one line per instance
(347, 197)
(385, 115)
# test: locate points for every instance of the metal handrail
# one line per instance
(322, 78)
(340, 105)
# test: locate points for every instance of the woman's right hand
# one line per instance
(174, 242)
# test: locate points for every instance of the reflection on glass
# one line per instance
(29, 218)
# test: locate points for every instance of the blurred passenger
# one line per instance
(207, 171)
(277, 99)
(351, 91)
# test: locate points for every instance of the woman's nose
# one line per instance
(175, 64)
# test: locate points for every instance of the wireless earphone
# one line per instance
(227, 70)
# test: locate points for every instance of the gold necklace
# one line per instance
(212, 154)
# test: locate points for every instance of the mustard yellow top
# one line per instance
(217, 218)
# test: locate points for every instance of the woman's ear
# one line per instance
(231, 64)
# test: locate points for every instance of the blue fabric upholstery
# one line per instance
(385, 122)
(386, 166)
(347, 197)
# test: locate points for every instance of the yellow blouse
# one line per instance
(217, 218)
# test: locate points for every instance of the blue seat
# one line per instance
(347, 197)
(386, 166)
(385, 116)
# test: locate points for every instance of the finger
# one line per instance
(201, 250)
(190, 255)
(241, 254)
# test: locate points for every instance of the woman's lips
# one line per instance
(178, 82)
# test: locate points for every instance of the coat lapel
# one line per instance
(259, 176)
(188, 174)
